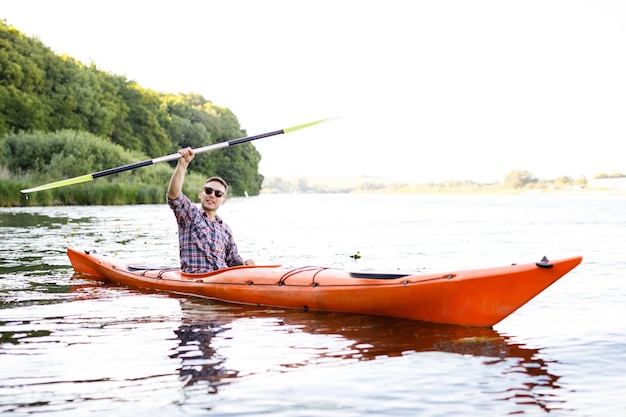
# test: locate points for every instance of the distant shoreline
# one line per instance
(583, 192)
(376, 185)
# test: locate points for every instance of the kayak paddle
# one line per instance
(172, 157)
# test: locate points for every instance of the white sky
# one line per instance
(426, 90)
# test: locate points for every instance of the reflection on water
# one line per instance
(207, 335)
(18, 219)
(219, 348)
(31, 257)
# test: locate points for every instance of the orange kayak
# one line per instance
(478, 297)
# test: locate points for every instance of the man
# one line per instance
(205, 242)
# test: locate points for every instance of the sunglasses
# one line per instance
(209, 191)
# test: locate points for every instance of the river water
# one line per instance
(73, 347)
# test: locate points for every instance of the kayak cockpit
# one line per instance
(377, 275)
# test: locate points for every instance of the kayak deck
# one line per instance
(479, 297)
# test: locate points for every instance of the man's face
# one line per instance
(209, 198)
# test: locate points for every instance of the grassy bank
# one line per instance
(98, 192)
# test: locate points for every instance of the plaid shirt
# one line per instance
(204, 245)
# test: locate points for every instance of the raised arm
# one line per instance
(178, 177)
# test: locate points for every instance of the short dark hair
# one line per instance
(220, 180)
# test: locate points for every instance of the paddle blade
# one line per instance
(291, 129)
(62, 183)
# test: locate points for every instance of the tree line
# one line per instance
(515, 181)
(61, 118)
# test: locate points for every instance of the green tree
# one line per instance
(56, 97)
(582, 180)
(21, 82)
(519, 179)
(563, 181)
